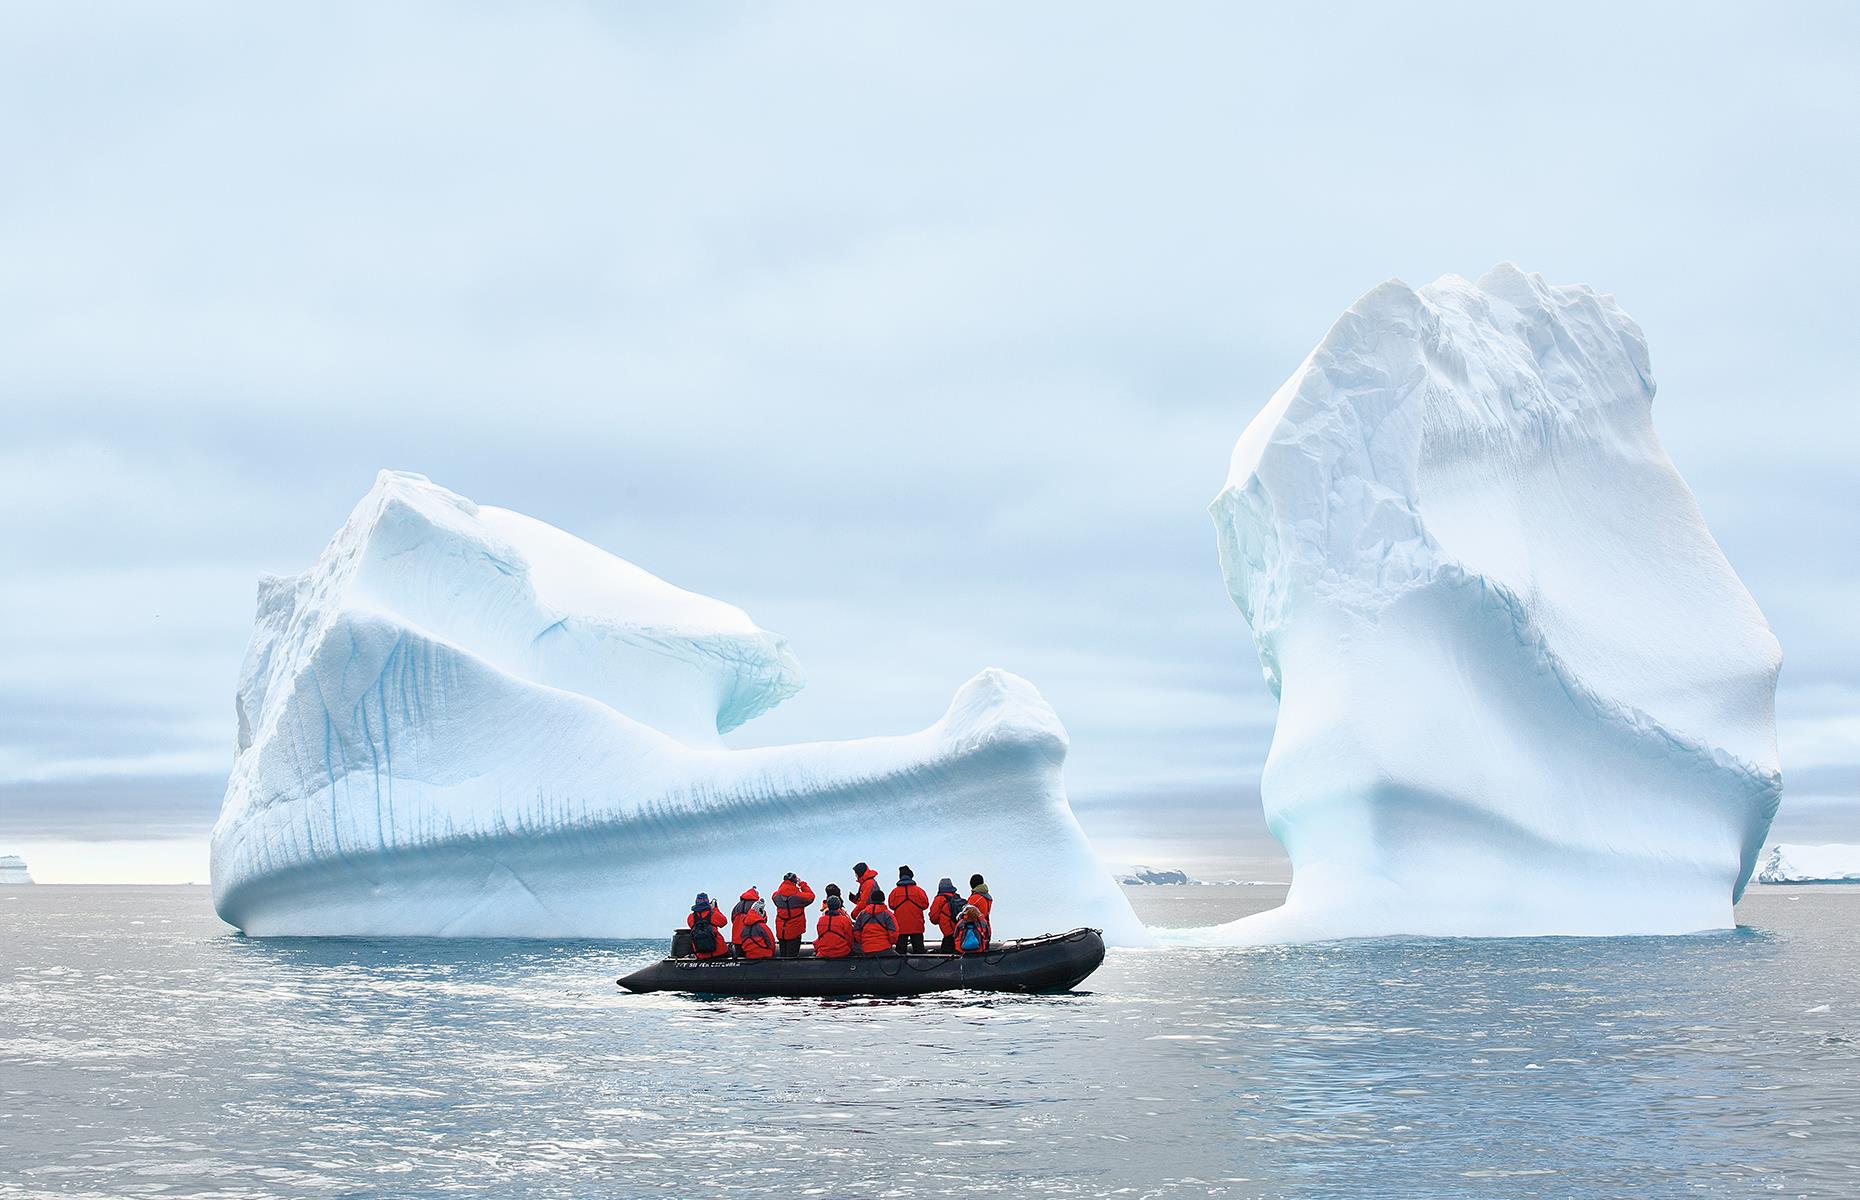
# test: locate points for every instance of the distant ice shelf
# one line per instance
(1142, 876)
(464, 722)
(13, 869)
(1136, 875)
(1520, 689)
(1831, 863)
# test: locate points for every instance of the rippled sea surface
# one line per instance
(147, 1050)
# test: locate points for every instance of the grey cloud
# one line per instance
(1838, 782)
(114, 807)
(1817, 820)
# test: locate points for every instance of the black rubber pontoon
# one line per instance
(1056, 962)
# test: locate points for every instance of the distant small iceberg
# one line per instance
(1136, 875)
(1833, 863)
(13, 869)
(1141, 876)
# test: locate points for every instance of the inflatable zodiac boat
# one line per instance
(1056, 962)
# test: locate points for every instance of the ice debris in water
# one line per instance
(462, 721)
(1520, 689)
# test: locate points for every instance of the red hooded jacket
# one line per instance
(982, 931)
(791, 901)
(743, 904)
(875, 929)
(713, 916)
(833, 936)
(757, 940)
(908, 904)
(945, 907)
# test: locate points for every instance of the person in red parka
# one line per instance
(873, 926)
(908, 905)
(706, 922)
(791, 900)
(945, 907)
(972, 931)
(979, 897)
(743, 905)
(864, 880)
(833, 936)
(757, 941)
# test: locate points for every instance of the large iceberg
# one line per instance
(1833, 863)
(465, 722)
(13, 869)
(1520, 689)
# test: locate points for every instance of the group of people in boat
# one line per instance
(876, 923)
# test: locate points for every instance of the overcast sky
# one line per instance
(921, 333)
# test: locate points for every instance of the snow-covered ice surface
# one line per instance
(1520, 689)
(464, 722)
(1832, 863)
(13, 869)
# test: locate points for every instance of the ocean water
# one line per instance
(146, 1050)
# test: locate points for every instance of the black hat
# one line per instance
(860, 869)
(833, 899)
(975, 881)
(906, 872)
(833, 889)
(791, 877)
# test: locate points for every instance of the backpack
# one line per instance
(971, 937)
(704, 934)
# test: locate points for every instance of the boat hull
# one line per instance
(1054, 963)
